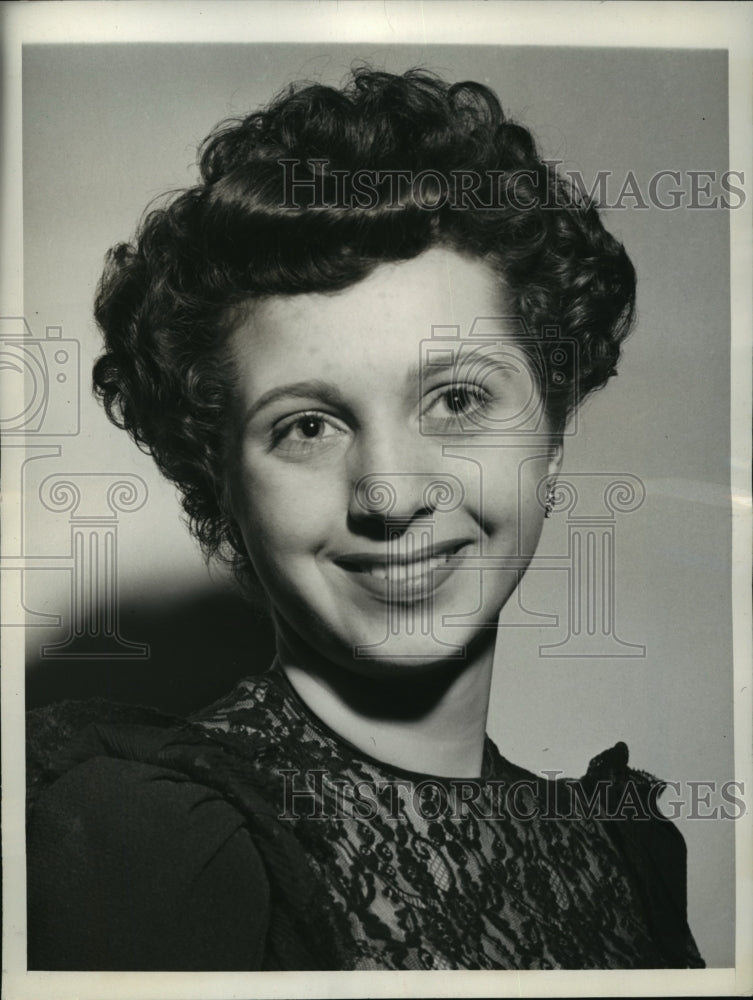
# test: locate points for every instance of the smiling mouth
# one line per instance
(404, 574)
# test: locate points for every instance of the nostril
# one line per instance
(399, 521)
(372, 527)
(394, 497)
(392, 501)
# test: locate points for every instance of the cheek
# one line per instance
(531, 505)
(281, 511)
(510, 493)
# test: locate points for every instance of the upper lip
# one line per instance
(393, 557)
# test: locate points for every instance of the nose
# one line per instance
(397, 478)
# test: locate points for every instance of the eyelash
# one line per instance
(477, 395)
(282, 431)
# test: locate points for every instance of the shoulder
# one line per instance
(50, 728)
(133, 864)
(626, 801)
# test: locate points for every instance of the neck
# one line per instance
(427, 719)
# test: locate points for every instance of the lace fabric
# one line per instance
(431, 873)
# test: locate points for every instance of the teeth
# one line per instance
(408, 571)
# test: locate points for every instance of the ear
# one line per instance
(555, 457)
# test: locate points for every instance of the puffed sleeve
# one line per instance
(654, 852)
(133, 866)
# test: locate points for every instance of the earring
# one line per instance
(549, 501)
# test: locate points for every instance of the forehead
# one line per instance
(378, 324)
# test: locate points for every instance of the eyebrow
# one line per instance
(457, 366)
(416, 372)
(312, 389)
(327, 393)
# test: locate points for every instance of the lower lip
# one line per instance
(406, 583)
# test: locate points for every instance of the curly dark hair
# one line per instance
(277, 212)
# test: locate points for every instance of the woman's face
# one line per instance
(391, 443)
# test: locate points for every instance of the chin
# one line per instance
(376, 639)
(376, 652)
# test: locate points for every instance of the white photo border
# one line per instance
(673, 25)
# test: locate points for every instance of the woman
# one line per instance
(354, 346)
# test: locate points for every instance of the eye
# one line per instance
(309, 426)
(463, 399)
(456, 407)
(305, 432)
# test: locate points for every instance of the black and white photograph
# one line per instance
(376, 542)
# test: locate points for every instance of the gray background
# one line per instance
(106, 128)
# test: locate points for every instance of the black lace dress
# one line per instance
(339, 861)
